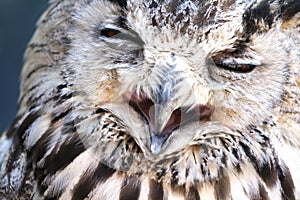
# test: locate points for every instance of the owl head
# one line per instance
(184, 82)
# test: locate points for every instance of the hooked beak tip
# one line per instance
(157, 142)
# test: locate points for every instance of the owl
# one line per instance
(158, 99)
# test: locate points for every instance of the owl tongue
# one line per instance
(163, 120)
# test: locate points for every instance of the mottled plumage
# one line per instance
(158, 100)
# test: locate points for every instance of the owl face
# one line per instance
(179, 71)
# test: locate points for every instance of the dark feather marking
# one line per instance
(174, 172)
(90, 179)
(130, 189)
(253, 16)
(121, 21)
(37, 45)
(174, 180)
(52, 198)
(14, 156)
(13, 127)
(38, 151)
(172, 6)
(227, 4)
(222, 187)
(33, 101)
(266, 170)
(61, 115)
(25, 94)
(36, 69)
(262, 194)
(287, 183)
(18, 132)
(67, 152)
(156, 191)
(26, 123)
(160, 173)
(117, 147)
(121, 3)
(290, 10)
(69, 127)
(41, 144)
(237, 156)
(39, 148)
(180, 190)
(39, 177)
(202, 19)
(58, 99)
(61, 86)
(32, 88)
(65, 97)
(100, 111)
(268, 173)
(35, 154)
(193, 194)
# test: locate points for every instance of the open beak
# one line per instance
(165, 118)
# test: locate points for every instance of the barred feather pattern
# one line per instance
(75, 137)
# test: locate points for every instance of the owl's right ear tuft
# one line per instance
(121, 3)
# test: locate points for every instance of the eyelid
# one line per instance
(241, 61)
(239, 64)
(107, 30)
(118, 33)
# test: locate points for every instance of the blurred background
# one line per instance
(17, 24)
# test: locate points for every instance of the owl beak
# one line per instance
(164, 119)
(161, 117)
(169, 119)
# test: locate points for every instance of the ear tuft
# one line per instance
(121, 3)
(291, 15)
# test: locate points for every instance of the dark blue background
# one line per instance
(17, 24)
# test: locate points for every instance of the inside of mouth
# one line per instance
(181, 116)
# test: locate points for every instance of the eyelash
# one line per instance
(239, 68)
(237, 64)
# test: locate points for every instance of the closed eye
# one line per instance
(240, 68)
(238, 64)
